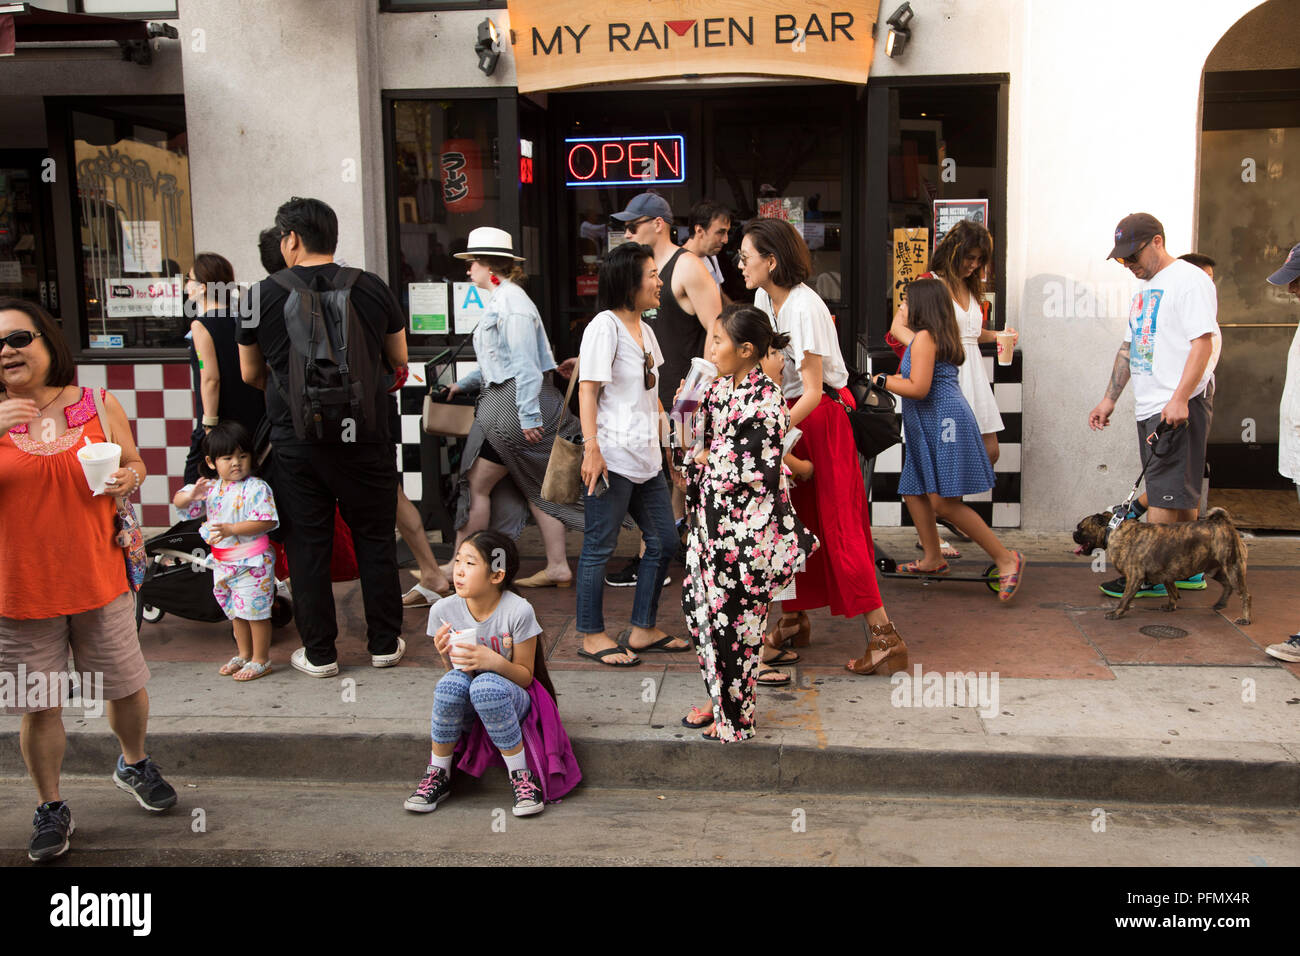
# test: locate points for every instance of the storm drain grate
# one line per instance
(1163, 631)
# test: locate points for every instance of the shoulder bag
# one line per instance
(874, 421)
(563, 482)
(440, 416)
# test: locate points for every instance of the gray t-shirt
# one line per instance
(512, 622)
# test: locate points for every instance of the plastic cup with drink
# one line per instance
(698, 377)
(1006, 345)
(99, 460)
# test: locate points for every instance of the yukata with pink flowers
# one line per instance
(746, 542)
(244, 574)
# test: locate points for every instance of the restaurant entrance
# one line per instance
(759, 150)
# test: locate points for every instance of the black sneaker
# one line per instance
(528, 795)
(146, 784)
(432, 790)
(627, 577)
(53, 826)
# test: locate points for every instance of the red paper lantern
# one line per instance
(462, 175)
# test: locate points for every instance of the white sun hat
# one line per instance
(489, 241)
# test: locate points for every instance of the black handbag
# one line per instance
(875, 421)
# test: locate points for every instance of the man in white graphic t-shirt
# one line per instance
(1172, 329)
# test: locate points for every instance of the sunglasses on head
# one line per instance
(650, 380)
(20, 339)
(1133, 256)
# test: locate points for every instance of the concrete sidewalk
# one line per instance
(1082, 708)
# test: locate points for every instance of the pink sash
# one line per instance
(241, 551)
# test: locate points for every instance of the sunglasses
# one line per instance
(650, 380)
(636, 224)
(21, 339)
(1132, 257)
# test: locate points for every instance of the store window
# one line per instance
(135, 226)
(26, 240)
(943, 149)
(446, 181)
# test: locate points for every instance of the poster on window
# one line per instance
(128, 297)
(142, 246)
(911, 259)
(428, 307)
(789, 208)
(947, 212)
(471, 305)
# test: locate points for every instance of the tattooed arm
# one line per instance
(1099, 417)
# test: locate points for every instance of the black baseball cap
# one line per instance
(1290, 270)
(1134, 230)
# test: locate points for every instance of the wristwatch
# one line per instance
(880, 380)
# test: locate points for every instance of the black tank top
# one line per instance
(680, 335)
(240, 402)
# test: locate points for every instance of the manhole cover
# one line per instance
(1165, 631)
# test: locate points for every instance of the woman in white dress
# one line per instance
(1288, 443)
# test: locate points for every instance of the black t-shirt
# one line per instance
(376, 306)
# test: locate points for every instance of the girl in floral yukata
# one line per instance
(240, 511)
(746, 543)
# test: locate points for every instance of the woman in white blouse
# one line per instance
(841, 574)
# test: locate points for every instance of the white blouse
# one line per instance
(805, 318)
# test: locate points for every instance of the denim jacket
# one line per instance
(511, 343)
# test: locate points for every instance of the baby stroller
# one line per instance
(178, 579)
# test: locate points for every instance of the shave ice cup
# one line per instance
(99, 460)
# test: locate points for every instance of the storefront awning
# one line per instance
(23, 23)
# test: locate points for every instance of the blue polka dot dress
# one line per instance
(944, 452)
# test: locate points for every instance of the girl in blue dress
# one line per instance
(944, 456)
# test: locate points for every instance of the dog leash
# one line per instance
(1120, 511)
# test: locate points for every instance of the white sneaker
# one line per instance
(1288, 650)
(300, 662)
(388, 660)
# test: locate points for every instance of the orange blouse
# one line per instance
(57, 550)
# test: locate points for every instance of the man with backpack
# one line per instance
(320, 341)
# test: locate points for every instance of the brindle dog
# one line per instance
(1165, 553)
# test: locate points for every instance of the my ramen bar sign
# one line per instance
(559, 44)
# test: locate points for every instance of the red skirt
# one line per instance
(841, 574)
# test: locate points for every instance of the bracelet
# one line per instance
(211, 420)
(592, 438)
(138, 480)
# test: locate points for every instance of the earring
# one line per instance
(495, 280)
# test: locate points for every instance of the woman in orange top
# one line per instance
(63, 583)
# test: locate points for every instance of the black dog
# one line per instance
(1165, 553)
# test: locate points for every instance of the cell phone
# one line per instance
(602, 485)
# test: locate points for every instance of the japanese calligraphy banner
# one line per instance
(564, 43)
(911, 259)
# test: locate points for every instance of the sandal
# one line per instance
(802, 635)
(946, 549)
(232, 666)
(883, 638)
(657, 647)
(704, 718)
(1008, 584)
(782, 680)
(772, 642)
(914, 567)
(599, 656)
(252, 671)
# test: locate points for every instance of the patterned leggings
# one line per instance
(500, 703)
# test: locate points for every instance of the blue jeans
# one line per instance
(651, 507)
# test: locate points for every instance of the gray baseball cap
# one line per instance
(646, 204)
(1290, 269)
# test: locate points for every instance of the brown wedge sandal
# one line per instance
(883, 638)
(801, 635)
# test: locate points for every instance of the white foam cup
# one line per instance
(464, 636)
(99, 461)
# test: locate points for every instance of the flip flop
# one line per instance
(763, 671)
(1008, 584)
(658, 647)
(686, 721)
(912, 568)
(783, 658)
(599, 656)
(425, 596)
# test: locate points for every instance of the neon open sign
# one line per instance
(626, 160)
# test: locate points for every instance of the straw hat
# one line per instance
(488, 241)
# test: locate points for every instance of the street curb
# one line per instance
(701, 765)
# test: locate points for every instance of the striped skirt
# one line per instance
(496, 420)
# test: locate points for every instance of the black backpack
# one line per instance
(335, 368)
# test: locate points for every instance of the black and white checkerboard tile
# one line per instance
(1000, 506)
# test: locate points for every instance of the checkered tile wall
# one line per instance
(1000, 506)
(159, 401)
